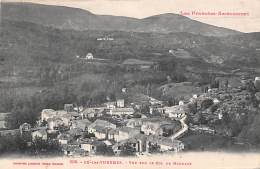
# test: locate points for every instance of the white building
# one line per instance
(110, 105)
(122, 111)
(215, 101)
(42, 134)
(89, 56)
(174, 111)
(125, 133)
(120, 103)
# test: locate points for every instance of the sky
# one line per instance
(145, 8)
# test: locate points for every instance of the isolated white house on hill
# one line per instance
(89, 56)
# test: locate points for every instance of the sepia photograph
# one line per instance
(105, 83)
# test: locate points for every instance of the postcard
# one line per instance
(130, 84)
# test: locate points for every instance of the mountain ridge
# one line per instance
(79, 19)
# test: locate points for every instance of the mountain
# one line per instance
(78, 19)
(28, 42)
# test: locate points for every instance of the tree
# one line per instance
(40, 146)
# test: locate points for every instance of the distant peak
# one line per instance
(166, 15)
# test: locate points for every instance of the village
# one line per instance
(119, 128)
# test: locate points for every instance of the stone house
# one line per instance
(120, 103)
(135, 123)
(165, 143)
(159, 127)
(42, 134)
(64, 138)
(123, 133)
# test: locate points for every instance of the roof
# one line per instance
(85, 122)
(92, 141)
(135, 120)
(128, 130)
(102, 123)
(87, 140)
(175, 109)
(108, 143)
(113, 131)
(64, 136)
(110, 103)
(100, 129)
(75, 131)
(73, 113)
(48, 111)
(130, 109)
(54, 119)
(41, 131)
(55, 113)
(137, 62)
(140, 136)
(157, 120)
(94, 110)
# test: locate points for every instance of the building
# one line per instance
(68, 107)
(125, 133)
(50, 113)
(135, 123)
(66, 119)
(92, 112)
(3, 116)
(216, 101)
(73, 149)
(120, 103)
(101, 133)
(41, 134)
(177, 111)
(202, 129)
(137, 143)
(122, 111)
(257, 83)
(154, 101)
(65, 116)
(87, 145)
(156, 126)
(165, 143)
(89, 56)
(92, 146)
(110, 105)
(100, 124)
(81, 124)
(25, 127)
(54, 123)
(64, 138)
